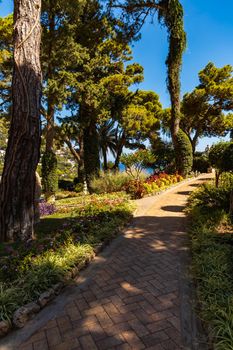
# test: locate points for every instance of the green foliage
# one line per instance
(171, 15)
(203, 110)
(137, 161)
(11, 298)
(141, 116)
(184, 154)
(210, 198)
(49, 173)
(227, 158)
(212, 240)
(79, 188)
(201, 163)
(220, 157)
(135, 188)
(110, 181)
(226, 180)
(66, 185)
(164, 153)
(6, 63)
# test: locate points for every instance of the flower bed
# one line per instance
(153, 184)
(65, 239)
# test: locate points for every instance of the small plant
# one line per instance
(135, 188)
(136, 162)
(46, 208)
(10, 299)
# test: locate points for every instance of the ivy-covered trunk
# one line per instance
(17, 187)
(171, 14)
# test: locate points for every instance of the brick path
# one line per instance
(130, 296)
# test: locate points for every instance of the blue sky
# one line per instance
(209, 28)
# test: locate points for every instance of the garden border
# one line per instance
(28, 311)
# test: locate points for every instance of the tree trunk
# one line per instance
(105, 160)
(50, 71)
(91, 151)
(22, 154)
(194, 141)
(81, 168)
(173, 15)
(50, 132)
(231, 204)
(119, 151)
(217, 177)
(50, 176)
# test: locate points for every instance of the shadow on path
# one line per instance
(173, 208)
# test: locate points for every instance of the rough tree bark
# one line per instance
(22, 155)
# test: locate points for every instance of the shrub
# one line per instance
(201, 164)
(184, 154)
(135, 188)
(136, 162)
(209, 197)
(109, 182)
(226, 180)
(66, 185)
(49, 173)
(220, 157)
(79, 187)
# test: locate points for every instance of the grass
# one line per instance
(63, 240)
(212, 266)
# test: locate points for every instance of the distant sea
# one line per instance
(148, 170)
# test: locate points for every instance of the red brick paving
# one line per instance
(132, 302)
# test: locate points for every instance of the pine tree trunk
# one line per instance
(22, 154)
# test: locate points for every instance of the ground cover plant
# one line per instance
(211, 233)
(65, 239)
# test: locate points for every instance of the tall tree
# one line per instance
(170, 14)
(22, 155)
(60, 54)
(204, 110)
(6, 64)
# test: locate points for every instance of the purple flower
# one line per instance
(46, 208)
